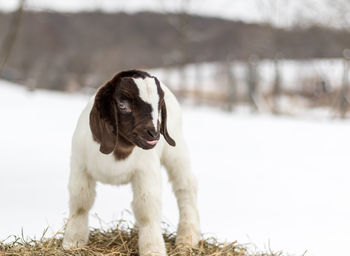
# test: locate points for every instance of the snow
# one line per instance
(274, 182)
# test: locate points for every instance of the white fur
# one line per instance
(142, 169)
(148, 93)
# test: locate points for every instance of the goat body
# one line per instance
(134, 159)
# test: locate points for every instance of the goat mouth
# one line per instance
(152, 142)
(145, 143)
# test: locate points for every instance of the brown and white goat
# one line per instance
(117, 141)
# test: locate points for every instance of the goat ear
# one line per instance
(163, 126)
(103, 119)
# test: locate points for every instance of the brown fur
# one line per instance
(163, 127)
(120, 131)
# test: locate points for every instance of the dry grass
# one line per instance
(120, 241)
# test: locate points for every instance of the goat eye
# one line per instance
(124, 106)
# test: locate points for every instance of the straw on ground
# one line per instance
(120, 241)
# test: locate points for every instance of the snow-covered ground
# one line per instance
(274, 182)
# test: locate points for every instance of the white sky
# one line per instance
(280, 12)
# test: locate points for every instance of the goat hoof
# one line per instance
(187, 236)
(154, 254)
(70, 244)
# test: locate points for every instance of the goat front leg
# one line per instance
(184, 183)
(146, 206)
(82, 194)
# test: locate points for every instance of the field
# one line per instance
(268, 182)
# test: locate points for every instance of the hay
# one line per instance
(118, 241)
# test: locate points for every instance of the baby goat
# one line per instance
(117, 141)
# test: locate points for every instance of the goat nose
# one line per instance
(152, 133)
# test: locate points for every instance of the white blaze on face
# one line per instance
(148, 93)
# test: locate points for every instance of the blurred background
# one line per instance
(264, 86)
(278, 56)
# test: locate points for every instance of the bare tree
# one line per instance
(231, 82)
(274, 12)
(339, 13)
(252, 77)
(180, 23)
(343, 99)
(277, 90)
(327, 13)
(11, 36)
